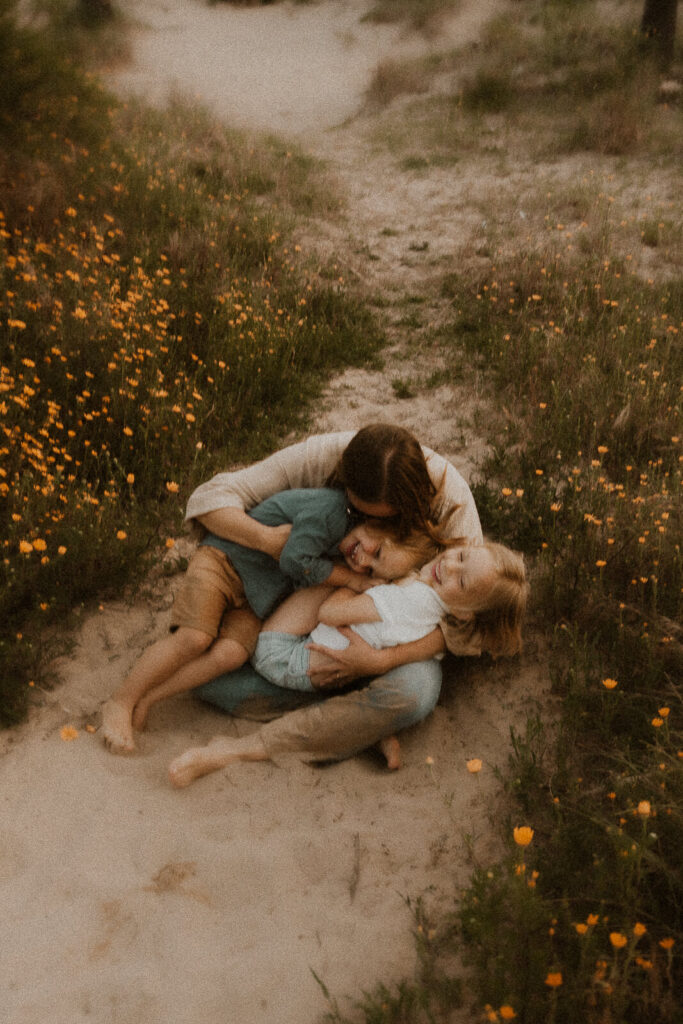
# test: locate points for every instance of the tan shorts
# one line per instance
(211, 598)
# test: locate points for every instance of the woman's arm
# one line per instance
(234, 524)
(334, 668)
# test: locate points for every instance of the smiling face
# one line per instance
(367, 550)
(461, 577)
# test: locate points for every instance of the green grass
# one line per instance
(155, 326)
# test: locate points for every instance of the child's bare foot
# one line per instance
(140, 712)
(391, 749)
(218, 752)
(117, 728)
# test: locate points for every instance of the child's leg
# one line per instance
(157, 663)
(298, 614)
(224, 655)
(237, 635)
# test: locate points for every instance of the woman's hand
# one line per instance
(330, 669)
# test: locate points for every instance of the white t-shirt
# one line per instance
(408, 612)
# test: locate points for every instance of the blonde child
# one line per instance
(479, 590)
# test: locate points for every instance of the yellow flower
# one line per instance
(658, 722)
(554, 979)
(581, 928)
(121, 534)
(639, 929)
(618, 940)
(39, 545)
(609, 684)
(19, 324)
(128, 432)
(664, 712)
(523, 835)
(68, 733)
(130, 479)
(666, 943)
(644, 809)
(61, 550)
(507, 1013)
(592, 920)
(506, 492)
(25, 547)
(474, 765)
(429, 760)
(172, 486)
(170, 543)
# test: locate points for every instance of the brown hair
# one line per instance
(385, 463)
(497, 622)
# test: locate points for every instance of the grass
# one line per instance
(567, 78)
(155, 326)
(575, 320)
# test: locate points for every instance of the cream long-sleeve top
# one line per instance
(310, 463)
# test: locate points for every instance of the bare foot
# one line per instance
(140, 712)
(391, 749)
(218, 752)
(117, 728)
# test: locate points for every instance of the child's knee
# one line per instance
(192, 642)
(227, 655)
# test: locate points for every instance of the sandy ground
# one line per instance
(125, 901)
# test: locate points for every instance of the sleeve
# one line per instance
(307, 464)
(305, 557)
(456, 511)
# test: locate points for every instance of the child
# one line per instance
(228, 589)
(480, 589)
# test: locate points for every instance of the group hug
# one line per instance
(327, 584)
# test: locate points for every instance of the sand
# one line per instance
(126, 901)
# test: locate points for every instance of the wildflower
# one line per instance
(121, 534)
(474, 765)
(519, 492)
(507, 1013)
(581, 928)
(68, 733)
(170, 543)
(19, 324)
(592, 920)
(639, 929)
(658, 722)
(666, 943)
(664, 712)
(172, 487)
(25, 547)
(609, 684)
(130, 479)
(554, 979)
(644, 809)
(556, 506)
(61, 550)
(618, 940)
(39, 545)
(601, 563)
(523, 835)
(506, 492)
(429, 760)
(645, 964)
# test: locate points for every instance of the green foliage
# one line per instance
(155, 326)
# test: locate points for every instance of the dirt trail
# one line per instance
(128, 901)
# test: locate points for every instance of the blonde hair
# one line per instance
(497, 620)
(421, 546)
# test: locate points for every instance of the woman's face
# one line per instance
(371, 509)
(461, 577)
(367, 551)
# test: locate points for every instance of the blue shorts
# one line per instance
(283, 659)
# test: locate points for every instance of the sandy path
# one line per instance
(126, 901)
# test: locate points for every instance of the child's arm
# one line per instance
(344, 608)
(342, 576)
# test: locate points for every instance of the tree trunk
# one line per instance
(658, 24)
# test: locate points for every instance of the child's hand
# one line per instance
(360, 583)
(275, 539)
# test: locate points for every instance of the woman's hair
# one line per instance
(497, 621)
(385, 463)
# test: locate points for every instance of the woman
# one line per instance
(386, 474)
